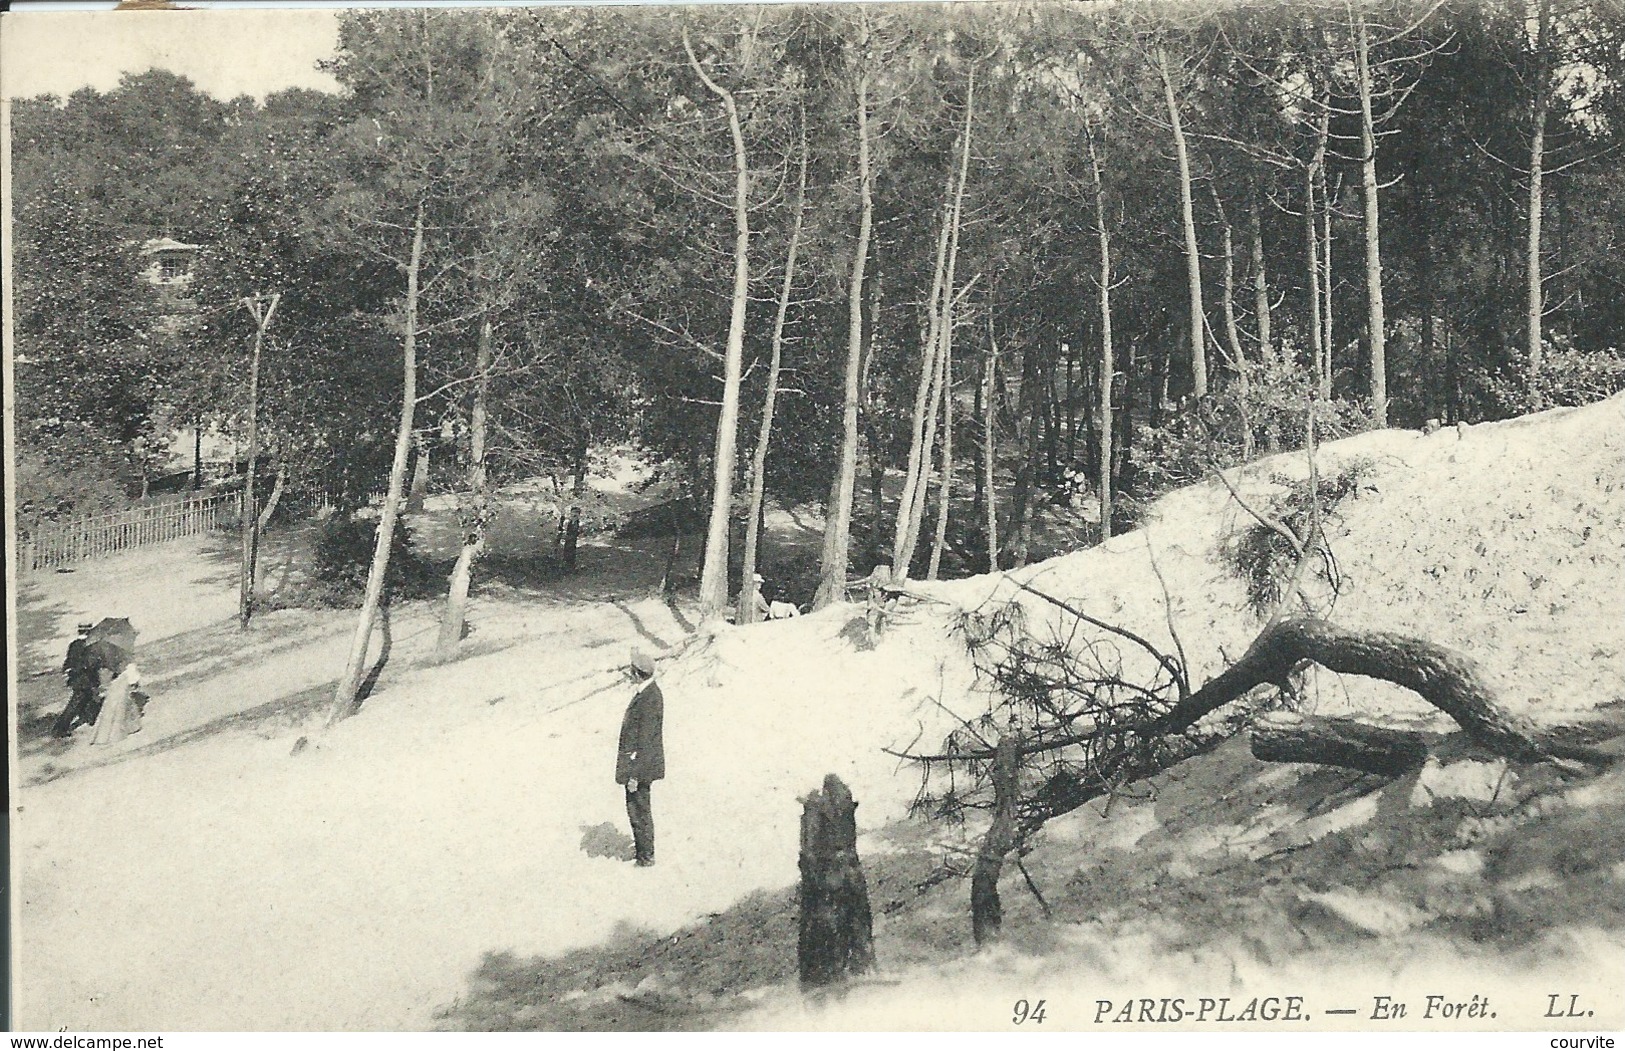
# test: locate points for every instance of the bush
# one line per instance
(1262, 557)
(70, 473)
(682, 515)
(343, 557)
(1566, 377)
(1219, 431)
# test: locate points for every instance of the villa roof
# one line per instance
(166, 244)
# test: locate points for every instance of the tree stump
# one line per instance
(836, 936)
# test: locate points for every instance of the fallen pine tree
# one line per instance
(1069, 726)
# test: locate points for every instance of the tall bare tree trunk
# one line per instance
(1052, 418)
(911, 511)
(578, 490)
(990, 367)
(250, 524)
(946, 485)
(925, 393)
(1375, 324)
(451, 624)
(1108, 365)
(1540, 107)
(1021, 500)
(1193, 257)
(1069, 358)
(714, 571)
(873, 441)
(279, 484)
(1261, 307)
(1123, 447)
(1453, 370)
(916, 513)
(978, 407)
(344, 695)
(1328, 328)
(1320, 334)
(1261, 288)
(1232, 334)
(838, 523)
(1311, 235)
(745, 613)
(1161, 404)
(1438, 400)
(420, 475)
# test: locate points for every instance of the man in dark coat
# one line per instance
(80, 667)
(642, 756)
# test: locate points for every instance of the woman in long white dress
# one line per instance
(120, 716)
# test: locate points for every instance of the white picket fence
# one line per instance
(94, 536)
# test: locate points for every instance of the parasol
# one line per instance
(112, 643)
(116, 630)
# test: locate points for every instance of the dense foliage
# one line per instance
(575, 172)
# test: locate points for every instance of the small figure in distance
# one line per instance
(777, 609)
(763, 608)
(758, 602)
(641, 758)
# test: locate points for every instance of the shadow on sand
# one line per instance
(637, 981)
(268, 719)
(698, 977)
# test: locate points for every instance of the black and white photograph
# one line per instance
(1085, 516)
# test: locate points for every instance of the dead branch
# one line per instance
(1175, 671)
(1289, 737)
(1267, 521)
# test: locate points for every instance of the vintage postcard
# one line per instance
(995, 517)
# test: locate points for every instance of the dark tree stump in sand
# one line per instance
(1286, 737)
(836, 936)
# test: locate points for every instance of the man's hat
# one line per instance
(85, 627)
(642, 663)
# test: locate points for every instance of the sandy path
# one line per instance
(229, 885)
(165, 590)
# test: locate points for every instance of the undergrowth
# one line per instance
(1261, 556)
(342, 559)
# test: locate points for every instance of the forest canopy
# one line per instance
(1105, 247)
